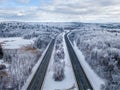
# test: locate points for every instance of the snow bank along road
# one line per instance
(82, 80)
(37, 80)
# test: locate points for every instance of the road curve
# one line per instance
(81, 78)
(38, 78)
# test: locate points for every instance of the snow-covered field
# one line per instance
(69, 81)
(15, 42)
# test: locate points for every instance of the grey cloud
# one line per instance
(16, 14)
(64, 10)
(83, 7)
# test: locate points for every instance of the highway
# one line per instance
(81, 78)
(38, 78)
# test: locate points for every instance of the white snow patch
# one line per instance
(69, 80)
(94, 79)
(15, 42)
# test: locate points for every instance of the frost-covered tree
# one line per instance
(59, 63)
(18, 29)
(101, 49)
(21, 64)
(42, 41)
(59, 70)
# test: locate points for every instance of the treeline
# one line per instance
(27, 30)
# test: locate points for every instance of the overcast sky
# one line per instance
(60, 10)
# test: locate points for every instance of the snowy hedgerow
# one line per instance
(59, 70)
(59, 53)
(59, 63)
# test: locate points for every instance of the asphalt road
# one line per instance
(38, 79)
(81, 78)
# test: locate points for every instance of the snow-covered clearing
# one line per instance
(69, 81)
(94, 79)
(15, 43)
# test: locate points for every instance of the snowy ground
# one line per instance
(69, 80)
(94, 79)
(14, 43)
